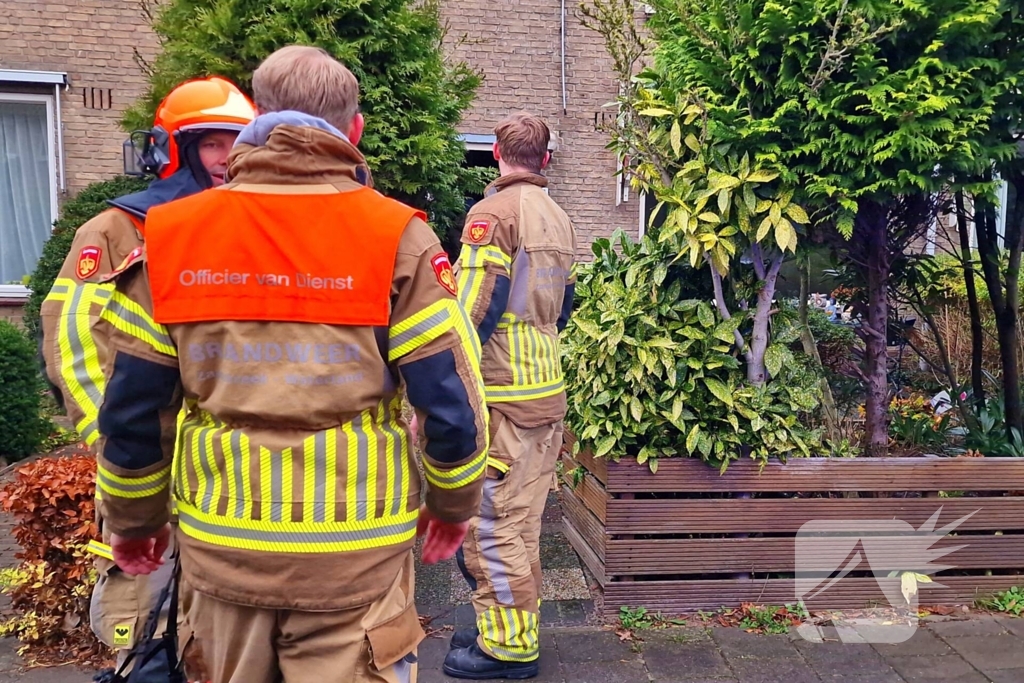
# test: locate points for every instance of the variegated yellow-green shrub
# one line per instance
(652, 374)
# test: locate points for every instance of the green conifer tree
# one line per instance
(411, 95)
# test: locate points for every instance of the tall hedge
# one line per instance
(21, 427)
(75, 212)
(411, 95)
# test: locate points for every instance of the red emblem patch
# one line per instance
(443, 271)
(88, 262)
(478, 230)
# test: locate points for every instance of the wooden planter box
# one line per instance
(683, 539)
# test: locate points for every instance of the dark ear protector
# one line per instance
(147, 152)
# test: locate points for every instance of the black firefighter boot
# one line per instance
(474, 664)
(464, 638)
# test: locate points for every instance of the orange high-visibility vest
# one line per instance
(240, 255)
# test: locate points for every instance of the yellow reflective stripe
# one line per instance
(351, 471)
(514, 393)
(331, 497)
(100, 549)
(372, 454)
(510, 634)
(388, 428)
(491, 254)
(130, 318)
(117, 486)
(458, 476)
(309, 476)
(242, 465)
(420, 328)
(304, 537)
(195, 437)
(88, 429)
(516, 351)
(79, 365)
(506, 320)
(471, 277)
(498, 465)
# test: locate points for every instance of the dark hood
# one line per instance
(176, 186)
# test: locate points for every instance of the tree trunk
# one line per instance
(756, 372)
(828, 402)
(973, 307)
(1009, 332)
(870, 230)
(1004, 295)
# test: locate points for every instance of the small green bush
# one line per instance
(88, 203)
(21, 427)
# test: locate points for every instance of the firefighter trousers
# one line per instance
(501, 553)
(371, 643)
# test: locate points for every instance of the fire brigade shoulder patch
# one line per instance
(478, 230)
(88, 262)
(133, 256)
(443, 271)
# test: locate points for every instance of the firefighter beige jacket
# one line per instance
(296, 484)
(516, 276)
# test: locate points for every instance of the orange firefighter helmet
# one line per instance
(202, 104)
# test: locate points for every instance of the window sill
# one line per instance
(14, 294)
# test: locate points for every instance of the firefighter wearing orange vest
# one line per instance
(515, 275)
(187, 149)
(290, 308)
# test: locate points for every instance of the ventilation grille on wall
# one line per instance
(97, 98)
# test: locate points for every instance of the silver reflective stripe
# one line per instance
(59, 289)
(236, 463)
(474, 273)
(320, 477)
(111, 485)
(276, 485)
(518, 376)
(489, 546)
(118, 309)
(88, 430)
(403, 671)
(519, 291)
(304, 537)
(207, 470)
(471, 473)
(362, 449)
(399, 459)
(506, 392)
(419, 328)
(78, 366)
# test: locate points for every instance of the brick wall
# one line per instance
(11, 311)
(93, 41)
(517, 46)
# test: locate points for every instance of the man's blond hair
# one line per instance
(523, 140)
(309, 80)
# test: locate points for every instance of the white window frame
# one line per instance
(20, 292)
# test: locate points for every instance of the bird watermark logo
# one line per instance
(838, 558)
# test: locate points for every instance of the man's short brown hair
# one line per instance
(523, 140)
(309, 80)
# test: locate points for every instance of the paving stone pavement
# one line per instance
(576, 649)
(979, 650)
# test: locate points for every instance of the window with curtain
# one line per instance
(26, 183)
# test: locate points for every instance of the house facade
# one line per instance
(68, 71)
